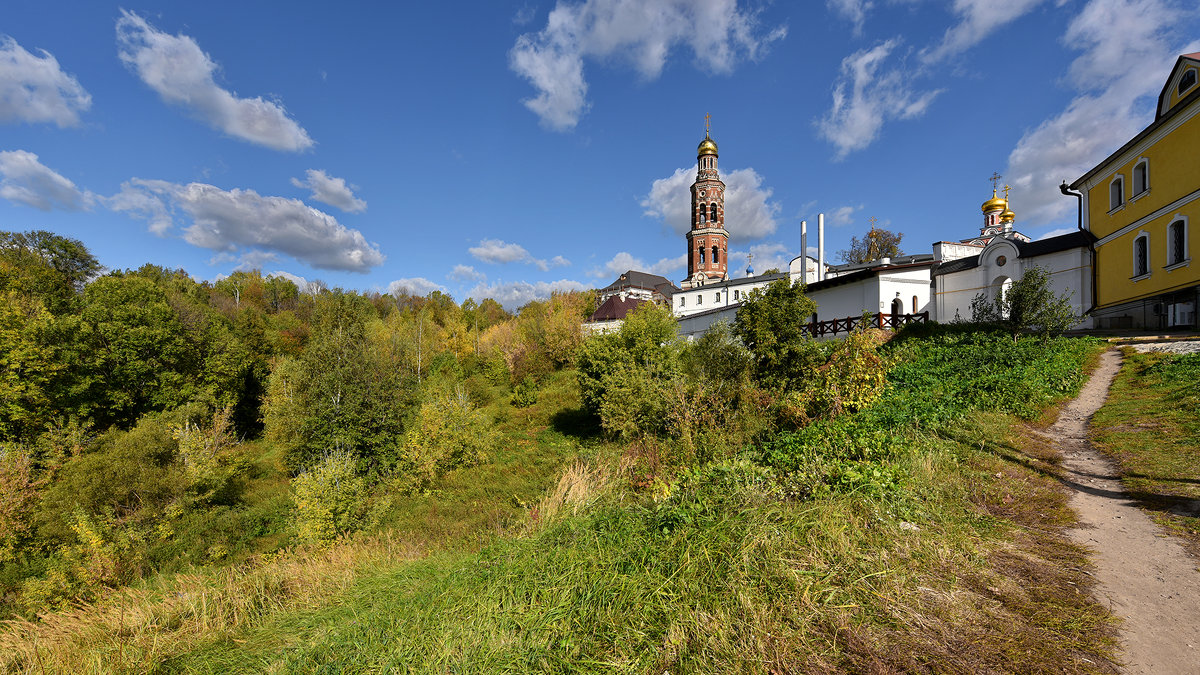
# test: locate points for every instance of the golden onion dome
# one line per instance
(707, 147)
(995, 203)
(1007, 216)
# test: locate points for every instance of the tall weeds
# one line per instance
(134, 629)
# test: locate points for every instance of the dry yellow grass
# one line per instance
(133, 629)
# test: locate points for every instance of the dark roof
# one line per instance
(739, 282)
(1159, 120)
(636, 279)
(923, 260)
(1030, 249)
(615, 308)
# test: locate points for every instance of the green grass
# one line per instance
(956, 563)
(959, 571)
(1150, 426)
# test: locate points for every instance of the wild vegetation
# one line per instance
(433, 487)
(1151, 427)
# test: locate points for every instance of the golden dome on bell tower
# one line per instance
(1007, 216)
(707, 146)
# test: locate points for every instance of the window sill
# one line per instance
(1182, 263)
(1139, 195)
(1120, 207)
(1140, 277)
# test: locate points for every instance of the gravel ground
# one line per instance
(1176, 347)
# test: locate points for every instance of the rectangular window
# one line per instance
(699, 299)
(1141, 256)
(682, 301)
(717, 297)
(1141, 178)
(1177, 243)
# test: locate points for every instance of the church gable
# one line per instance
(1183, 82)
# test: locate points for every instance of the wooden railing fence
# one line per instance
(884, 320)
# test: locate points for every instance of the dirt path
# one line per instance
(1144, 575)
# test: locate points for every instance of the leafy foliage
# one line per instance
(877, 243)
(1027, 305)
(771, 325)
(329, 499)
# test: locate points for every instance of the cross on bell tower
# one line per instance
(708, 241)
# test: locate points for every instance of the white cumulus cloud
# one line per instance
(35, 89)
(513, 295)
(843, 215)
(642, 32)
(466, 273)
(25, 180)
(749, 211)
(499, 252)
(332, 191)
(624, 261)
(415, 286)
(1129, 47)
(873, 87)
(766, 256)
(182, 74)
(232, 220)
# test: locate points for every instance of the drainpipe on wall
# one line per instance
(1066, 190)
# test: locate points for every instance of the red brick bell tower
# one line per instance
(708, 242)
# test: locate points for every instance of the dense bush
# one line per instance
(329, 499)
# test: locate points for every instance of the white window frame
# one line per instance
(1187, 257)
(1115, 179)
(1182, 75)
(1142, 162)
(1142, 235)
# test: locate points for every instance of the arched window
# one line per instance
(703, 213)
(716, 256)
(1141, 255)
(914, 305)
(712, 212)
(682, 300)
(1187, 81)
(897, 307)
(1116, 192)
(701, 255)
(1141, 177)
(1177, 242)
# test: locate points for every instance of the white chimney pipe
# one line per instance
(820, 247)
(804, 250)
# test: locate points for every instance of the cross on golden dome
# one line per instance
(707, 124)
(995, 179)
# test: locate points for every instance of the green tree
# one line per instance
(1027, 305)
(132, 352)
(623, 376)
(28, 366)
(47, 266)
(771, 325)
(876, 244)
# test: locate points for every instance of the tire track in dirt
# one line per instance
(1145, 576)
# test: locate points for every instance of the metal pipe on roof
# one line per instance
(820, 247)
(804, 250)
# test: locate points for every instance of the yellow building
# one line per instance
(1139, 204)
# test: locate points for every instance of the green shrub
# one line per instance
(329, 498)
(526, 393)
(448, 433)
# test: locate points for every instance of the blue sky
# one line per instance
(511, 149)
